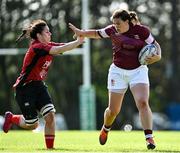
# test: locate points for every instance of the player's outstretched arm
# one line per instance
(91, 33)
(55, 50)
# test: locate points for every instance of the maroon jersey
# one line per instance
(36, 63)
(126, 46)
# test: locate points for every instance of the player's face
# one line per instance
(46, 35)
(120, 25)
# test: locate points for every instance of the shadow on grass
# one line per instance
(65, 149)
(169, 151)
(2, 149)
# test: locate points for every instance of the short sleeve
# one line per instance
(145, 34)
(150, 39)
(107, 31)
(42, 49)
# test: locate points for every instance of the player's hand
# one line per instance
(152, 59)
(77, 32)
(80, 39)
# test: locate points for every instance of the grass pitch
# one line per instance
(87, 141)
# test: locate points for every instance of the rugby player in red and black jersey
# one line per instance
(128, 37)
(31, 92)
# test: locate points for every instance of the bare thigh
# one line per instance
(115, 101)
(140, 93)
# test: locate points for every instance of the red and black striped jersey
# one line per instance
(126, 46)
(36, 63)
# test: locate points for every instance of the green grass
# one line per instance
(87, 141)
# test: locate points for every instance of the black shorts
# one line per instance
(33, 98)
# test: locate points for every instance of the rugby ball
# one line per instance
(147, 51)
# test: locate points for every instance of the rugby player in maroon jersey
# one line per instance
(128, 37)
(31, 92)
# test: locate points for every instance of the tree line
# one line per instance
(65, 76)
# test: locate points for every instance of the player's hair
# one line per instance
(125, 15)
(134, 18)
(37, 26)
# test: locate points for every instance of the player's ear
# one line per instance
(38, 35)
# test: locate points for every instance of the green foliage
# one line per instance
(65, 76)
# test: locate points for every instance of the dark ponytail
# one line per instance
(133, 17)
(23, 35)
(37, 26)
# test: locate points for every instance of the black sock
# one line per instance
(148, 133)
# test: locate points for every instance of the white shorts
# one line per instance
(120, 79)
